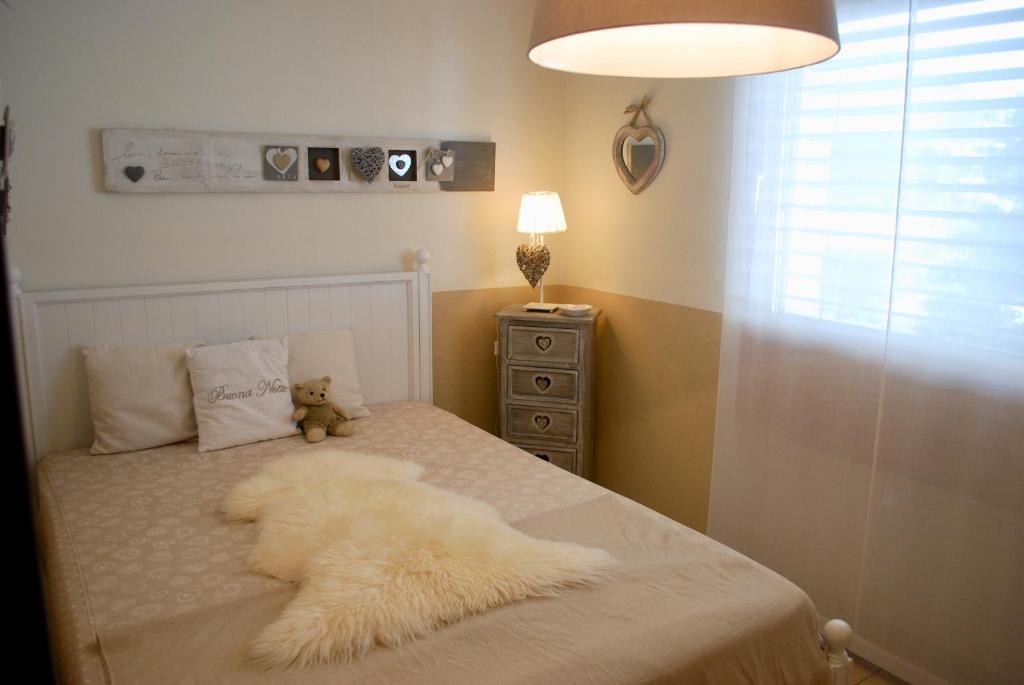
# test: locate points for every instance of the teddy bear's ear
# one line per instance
(326, 379)
(296, 387)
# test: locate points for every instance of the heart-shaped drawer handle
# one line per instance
(543, 383)
(541, 455)
(541, 421)
(543, 342)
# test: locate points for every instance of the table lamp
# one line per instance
(539, 213)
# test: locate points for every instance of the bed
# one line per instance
(147, 584)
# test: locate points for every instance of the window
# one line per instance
(901, 201)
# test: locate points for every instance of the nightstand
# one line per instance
(546, 404)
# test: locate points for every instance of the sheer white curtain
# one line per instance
(870, 438)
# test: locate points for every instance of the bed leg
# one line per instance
(837, 636)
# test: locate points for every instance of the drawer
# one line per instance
(547, 423)
(531, 343)
(562, 457)
(531, 383)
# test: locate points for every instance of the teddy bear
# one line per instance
(317, 415)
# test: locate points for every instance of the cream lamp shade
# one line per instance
(541, 212)
(682, 38)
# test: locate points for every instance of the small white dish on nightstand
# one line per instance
(574, 309)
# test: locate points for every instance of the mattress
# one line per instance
(147, 584)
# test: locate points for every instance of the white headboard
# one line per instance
(389, 314)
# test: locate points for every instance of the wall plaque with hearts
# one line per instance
(280, 163)
(533, 261)
(175, 161)
(368, 162)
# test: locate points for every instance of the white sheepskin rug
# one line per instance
(383, 558)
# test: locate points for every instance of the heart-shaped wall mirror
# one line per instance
(638, 151)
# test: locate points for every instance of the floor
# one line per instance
(865, 672)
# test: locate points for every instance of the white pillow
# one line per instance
(139, 396)
(241, 393)
(328, 353)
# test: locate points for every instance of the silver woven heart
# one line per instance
(367, 162)
(533, 261)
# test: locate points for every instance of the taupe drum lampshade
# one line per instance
(682, 38)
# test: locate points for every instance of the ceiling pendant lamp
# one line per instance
(682, 38)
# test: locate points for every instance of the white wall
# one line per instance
(668, 242)
(443, 68)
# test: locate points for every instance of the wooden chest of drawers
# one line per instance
(546, 389)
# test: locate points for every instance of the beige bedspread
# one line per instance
(147, 585)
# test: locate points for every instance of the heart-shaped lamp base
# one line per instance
(533, 261)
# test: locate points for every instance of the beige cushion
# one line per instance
(139, 395)
(328, 353)
(240, 393)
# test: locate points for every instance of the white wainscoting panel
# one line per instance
(384, 311)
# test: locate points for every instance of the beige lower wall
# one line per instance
(465, 369)
(657, 383)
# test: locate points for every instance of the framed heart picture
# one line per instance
(401, 165)
(280, 163)
(323, 164)
(440, 164)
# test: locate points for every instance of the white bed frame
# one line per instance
(389, 314)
